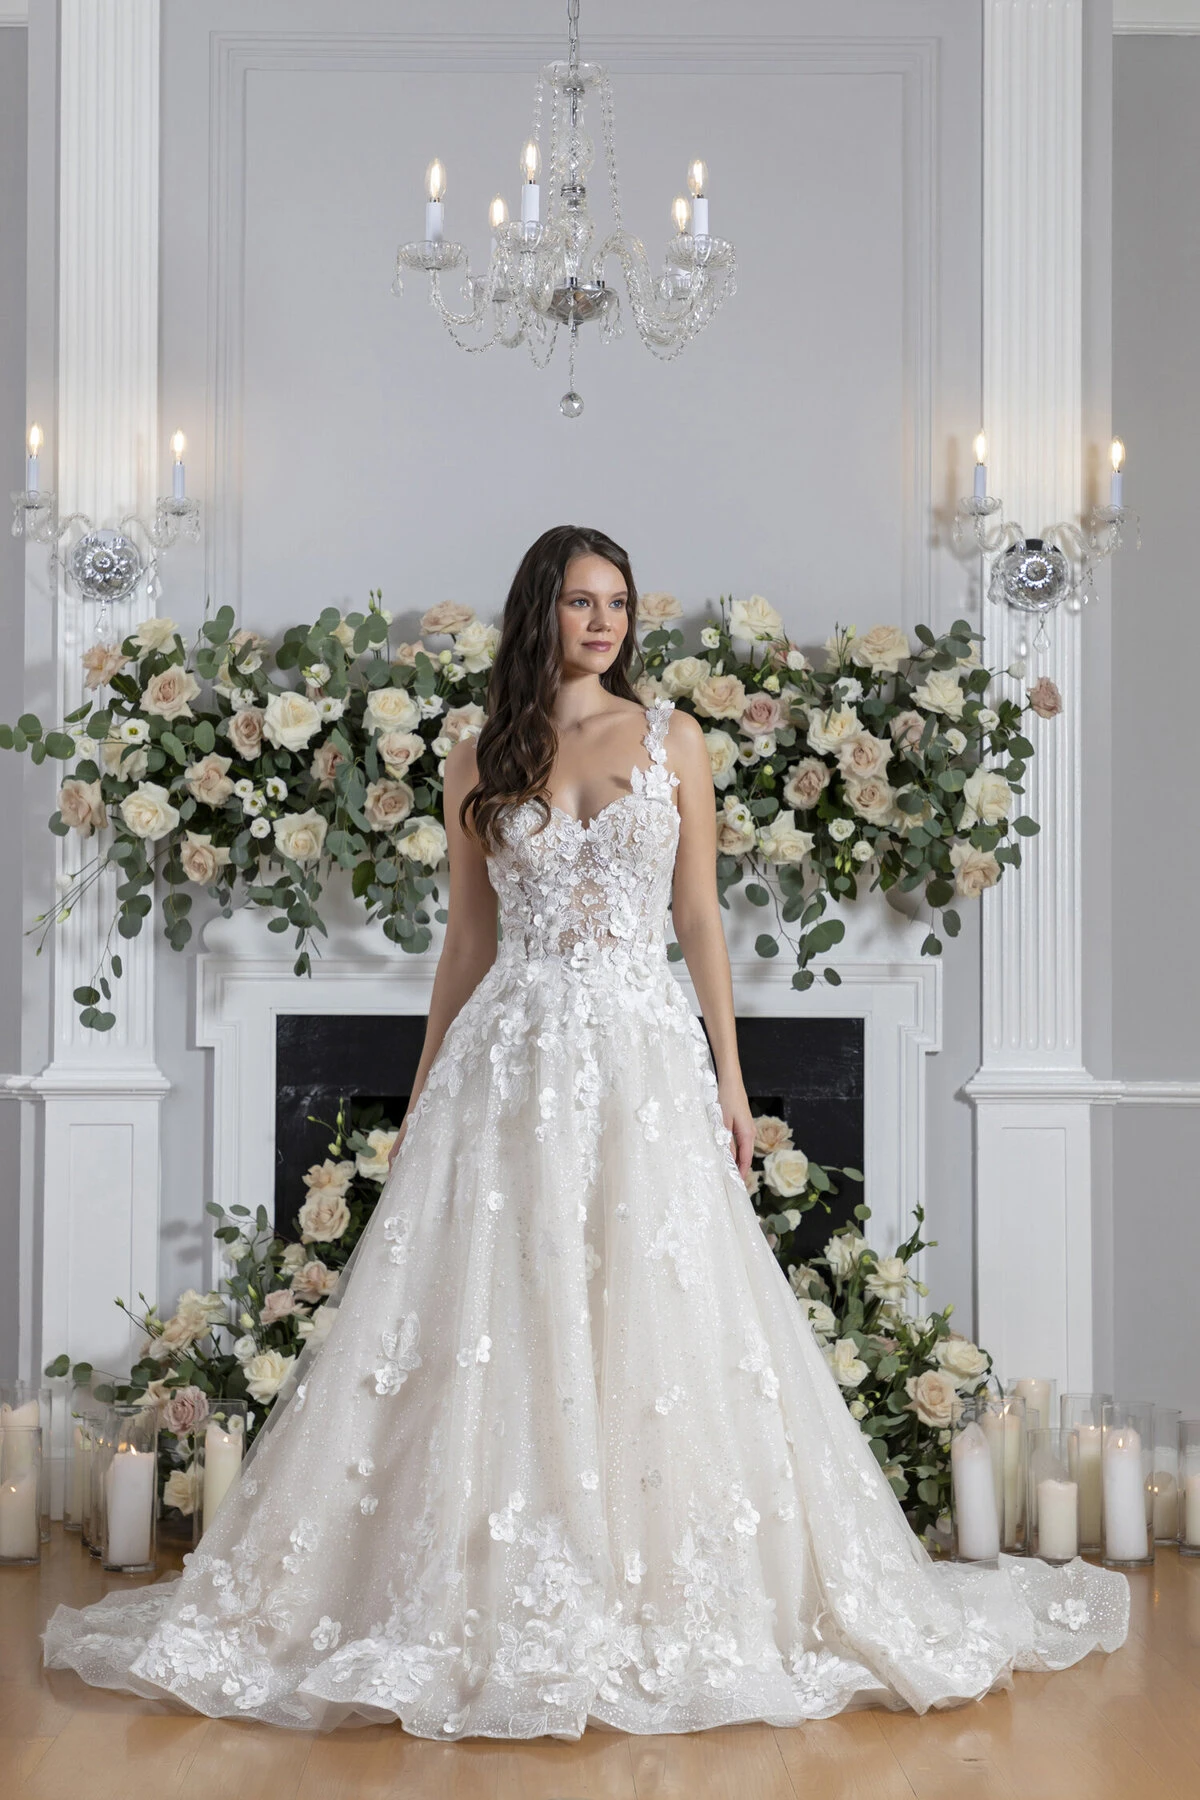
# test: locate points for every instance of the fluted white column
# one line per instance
(1032, 1092)
(101, 1092)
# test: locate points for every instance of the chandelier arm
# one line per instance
(665, 329)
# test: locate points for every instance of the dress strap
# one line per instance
(658, 713)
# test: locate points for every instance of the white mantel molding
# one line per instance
(1169, 18)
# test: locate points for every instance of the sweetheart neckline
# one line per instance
(619, 801)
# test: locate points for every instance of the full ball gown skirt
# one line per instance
(570, 1452)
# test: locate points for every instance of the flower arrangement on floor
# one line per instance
(902, 1376)
(211, 770)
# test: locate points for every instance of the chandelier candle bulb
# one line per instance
(981, 467)
(681, 213)
(179, 473)
(531, 193)
(975, 1512)
(31, 461)
(697, 183)
(497, 219)
(435, 194)
(1116, 486)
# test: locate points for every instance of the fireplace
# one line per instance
(807, 1071)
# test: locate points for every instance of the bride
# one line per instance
(570, 1453)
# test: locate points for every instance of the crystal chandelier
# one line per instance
(547, 269)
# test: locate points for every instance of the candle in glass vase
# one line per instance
(1036, 1394)
(222, 1458)
(1162, 1504)
(1091, 1489)
(19, 1516)
(1191, 1510)
(129, 1498)
(1058, 1519)
(22, 1421)
(1003, 1432)
(1126, 1534)
(975, 1512)
(77, 1476)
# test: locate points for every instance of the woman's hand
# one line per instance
(735, 1110)
(394, 1152)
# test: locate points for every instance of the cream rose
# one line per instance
(447, 618)
(391, 709)
(964, 1362)
(323, 1217)
(655, 609)
(408, 653)
(844, 1252)
(719, 697)
(771, 1133)
(785, 1171)
(1045, 699)
(245, 730)
(463, 722)
(291, 721)
(399, 750)
(806, 783)
(902, 821)
(327, 760)
(81, 805)
(424, 843)
(844, 1360)
(761, 714)
(113, 757)
(865, 757)
(647, 688)
(208, 780)
(318, 1328)
(888, 1280)
(374, 1164)
(754, 620)
(872, 800)
(155, 634)
(265, 1374)
(940, 692)
(681, 677)
(882, 650)
(722, 757)
(906, 729)
(974, 870)
(735, 827)
(781, 842)
(329, 1177)
(148, 812)
(201, 859)
(387, 804)
(828, 731)
(169, 692)
(300, 835)
(100, 663)
(801, 1278)
(988, 799)
(181, 1490)
(820, 1317)
(314, 1281)
(475, 646)
(280, 1303)
(934, 1398)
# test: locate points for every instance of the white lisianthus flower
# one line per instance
(844, 1360)
(781, 842)
(844, 1252)
(862, 851)
(988, 799)
(276, 788)
(829, 730)
(318, 674)
(253, 805)
(940, 692)
(148, 812)
(710, 637)
(735, 827)
(245, 1347)
(442, 746)
(841, 829)
(431, 706)
(987, 718)
(290, 721)
(849, 688)
(329, 709)
(260, 828)
(888, 1280)
(133, 731)
(754, 620)
(266, 1374)
(243, 788)
(796, 659)
(956, 740)
(858, 1409)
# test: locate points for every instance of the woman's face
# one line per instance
(592, 614)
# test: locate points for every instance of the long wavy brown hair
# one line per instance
(516, 747)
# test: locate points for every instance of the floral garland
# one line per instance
(902, 1376)
(902, 772)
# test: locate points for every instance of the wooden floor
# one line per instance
(1121, 1727)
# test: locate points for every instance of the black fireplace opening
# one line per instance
(806, 1071)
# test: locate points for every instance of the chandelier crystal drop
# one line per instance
(547, 265)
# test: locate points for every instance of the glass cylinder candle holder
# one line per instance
(103, 1435)
(220, 1447)
(27, 1405)
(1189, 1487)
(976, 1484)
(85, 1400)
(1127, 1444)
(1040, 1394)
(1052, 1494)
(1082, 1413)
(1162, 1487)
(1003, 1422)
(20, 1494)
(130, 1482)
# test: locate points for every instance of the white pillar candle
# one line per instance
(1126, 1535)
(19, 1518)
(1162, 1498)
(1058, 1519)
(77, 1476)
(1036, 1395)
(1003, 1432)
(22, 1421)
(974, 1495)
(222, 1458)
(129, 1497)
(1191, 1510)
(1087, 1475)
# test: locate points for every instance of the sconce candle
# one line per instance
(31, 461)
(981, 467)
(1116, 486)
(531, 193)
(435, 193)
(179, 486)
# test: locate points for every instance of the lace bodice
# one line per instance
(593, 892)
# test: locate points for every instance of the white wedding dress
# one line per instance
(570, 1452)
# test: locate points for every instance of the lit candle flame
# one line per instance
(1118, 455)
(531, 161)
(697, 179)
(497, 213)
(435, 180)
(178, 445)
(36, 440)
(981, 448)
(681, 212)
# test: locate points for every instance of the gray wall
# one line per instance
(12, 617)
(1156, 649)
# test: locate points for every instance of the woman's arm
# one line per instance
(469, 947)
(696, 913)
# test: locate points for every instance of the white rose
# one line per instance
(956, 740)
(843, 1359)
(882, 650)
(300, 835)
(862, 851)
(154, 634)
(425, 843)
(655, 609)
(291, 721)
(266, 1374)
(680, 677)
(722, 757)
(940, 692)
(841, 829)
(974, 870)
(181, 1490)
(786, 1171)
(988, 799)
(780, 842)
(375, 1165)
(754, 620)
(476, 645)
(829, 730)
(858, 1409)
(391, 709)
(844, 1252)
(987, 718)
(820, 1317)
(317, 1329)
(148, 812)
(889, 1278)
(962, 1360)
